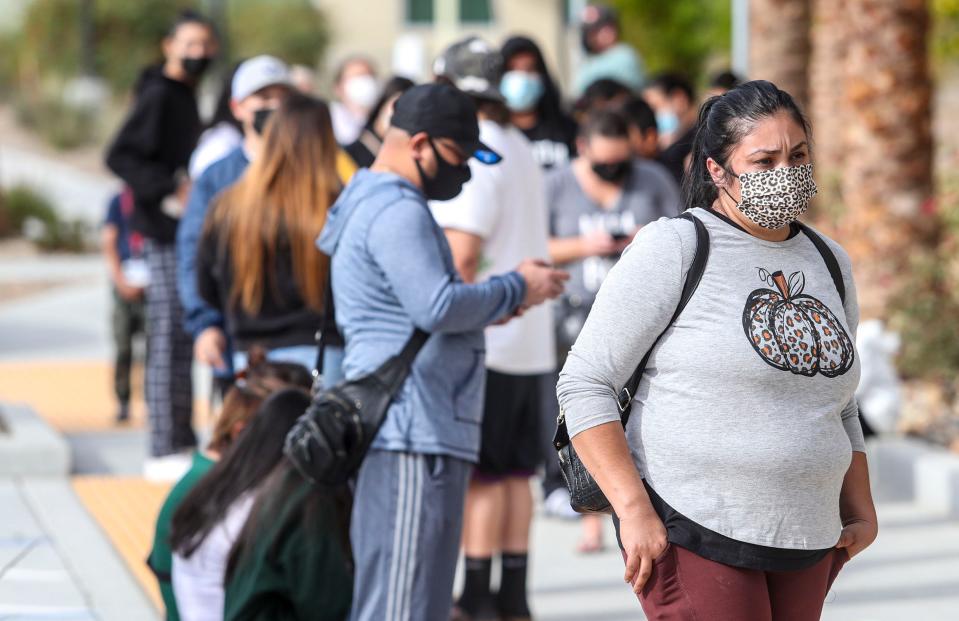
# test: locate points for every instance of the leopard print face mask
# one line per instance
(774, 198)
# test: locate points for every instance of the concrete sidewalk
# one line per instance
(55, 562)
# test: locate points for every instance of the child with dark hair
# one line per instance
(211, 516)
(239, 405)
(292, 561)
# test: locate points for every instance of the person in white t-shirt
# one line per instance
(499, 219)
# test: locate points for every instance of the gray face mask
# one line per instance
(774, 198)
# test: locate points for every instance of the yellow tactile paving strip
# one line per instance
(71, 396)
(126, 508)
(76, 396)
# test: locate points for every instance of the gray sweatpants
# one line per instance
(407, 521)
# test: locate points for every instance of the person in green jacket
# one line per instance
(239, 405)
(292, 561)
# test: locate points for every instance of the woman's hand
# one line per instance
(857, 535)
(644, 539)
(856, 509)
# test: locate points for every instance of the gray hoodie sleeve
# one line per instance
(633, 307)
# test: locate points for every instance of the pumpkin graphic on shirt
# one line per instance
(793, 331)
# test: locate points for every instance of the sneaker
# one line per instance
(557, 505)
(169, 468)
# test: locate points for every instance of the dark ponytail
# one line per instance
(723, 122)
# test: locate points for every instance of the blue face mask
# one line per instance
(522, 90)
(667, 122)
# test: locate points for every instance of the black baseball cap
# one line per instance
(442, 111)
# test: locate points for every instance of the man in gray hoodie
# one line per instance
(392, 271)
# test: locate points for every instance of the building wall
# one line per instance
(373, 28)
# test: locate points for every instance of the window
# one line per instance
(475, 11)
(419, 11)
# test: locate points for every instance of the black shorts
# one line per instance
(510, 443)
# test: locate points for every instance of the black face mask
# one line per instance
(448, 181)
(260, 117)
(613, 172)
(195, 67)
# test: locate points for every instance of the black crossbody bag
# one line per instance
(584, 494)
(329, 441)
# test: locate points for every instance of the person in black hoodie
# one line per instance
(150, 154)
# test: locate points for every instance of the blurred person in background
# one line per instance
(151, 153)
(671, 96)
(392, 270)
(643, 130)
(123, 249)
(211, 516)
(607, 56)
(603, 93)
(257, 262)
(221, 135)
(304, 79)
(259, 86)
(597, 204)
(723, 82)
(292, 560)
(261, 379)
(497, 221)
(356, 90)
(534, 103)
(364, 149)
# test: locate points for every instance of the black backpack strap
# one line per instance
(828, 257)
(693, 278)
(413, 346)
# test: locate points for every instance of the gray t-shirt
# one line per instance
(649, 193)
(745, 420)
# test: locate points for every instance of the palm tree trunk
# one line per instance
(827, 61)
(779, 44)
(887, 140)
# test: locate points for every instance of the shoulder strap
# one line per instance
(828, 257)
(693, 277)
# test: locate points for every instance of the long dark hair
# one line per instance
(549, 109)
(395, 85)
(287, 502)
(723, 122)
(247, 464)
(222, 113)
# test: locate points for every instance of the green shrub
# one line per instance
(293, 30)
(128, 35)
(60, 124)
(925, 309)
(22, 203)
(25, 211)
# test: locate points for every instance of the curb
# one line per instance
(29, 446)
(911, 470)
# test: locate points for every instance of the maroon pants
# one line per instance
(686, 587)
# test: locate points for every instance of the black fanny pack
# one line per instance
(328, 443)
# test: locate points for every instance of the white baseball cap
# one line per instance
(259, 72)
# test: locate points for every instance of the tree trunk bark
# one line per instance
(827, 60)
(887, 140)
(779, 45)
